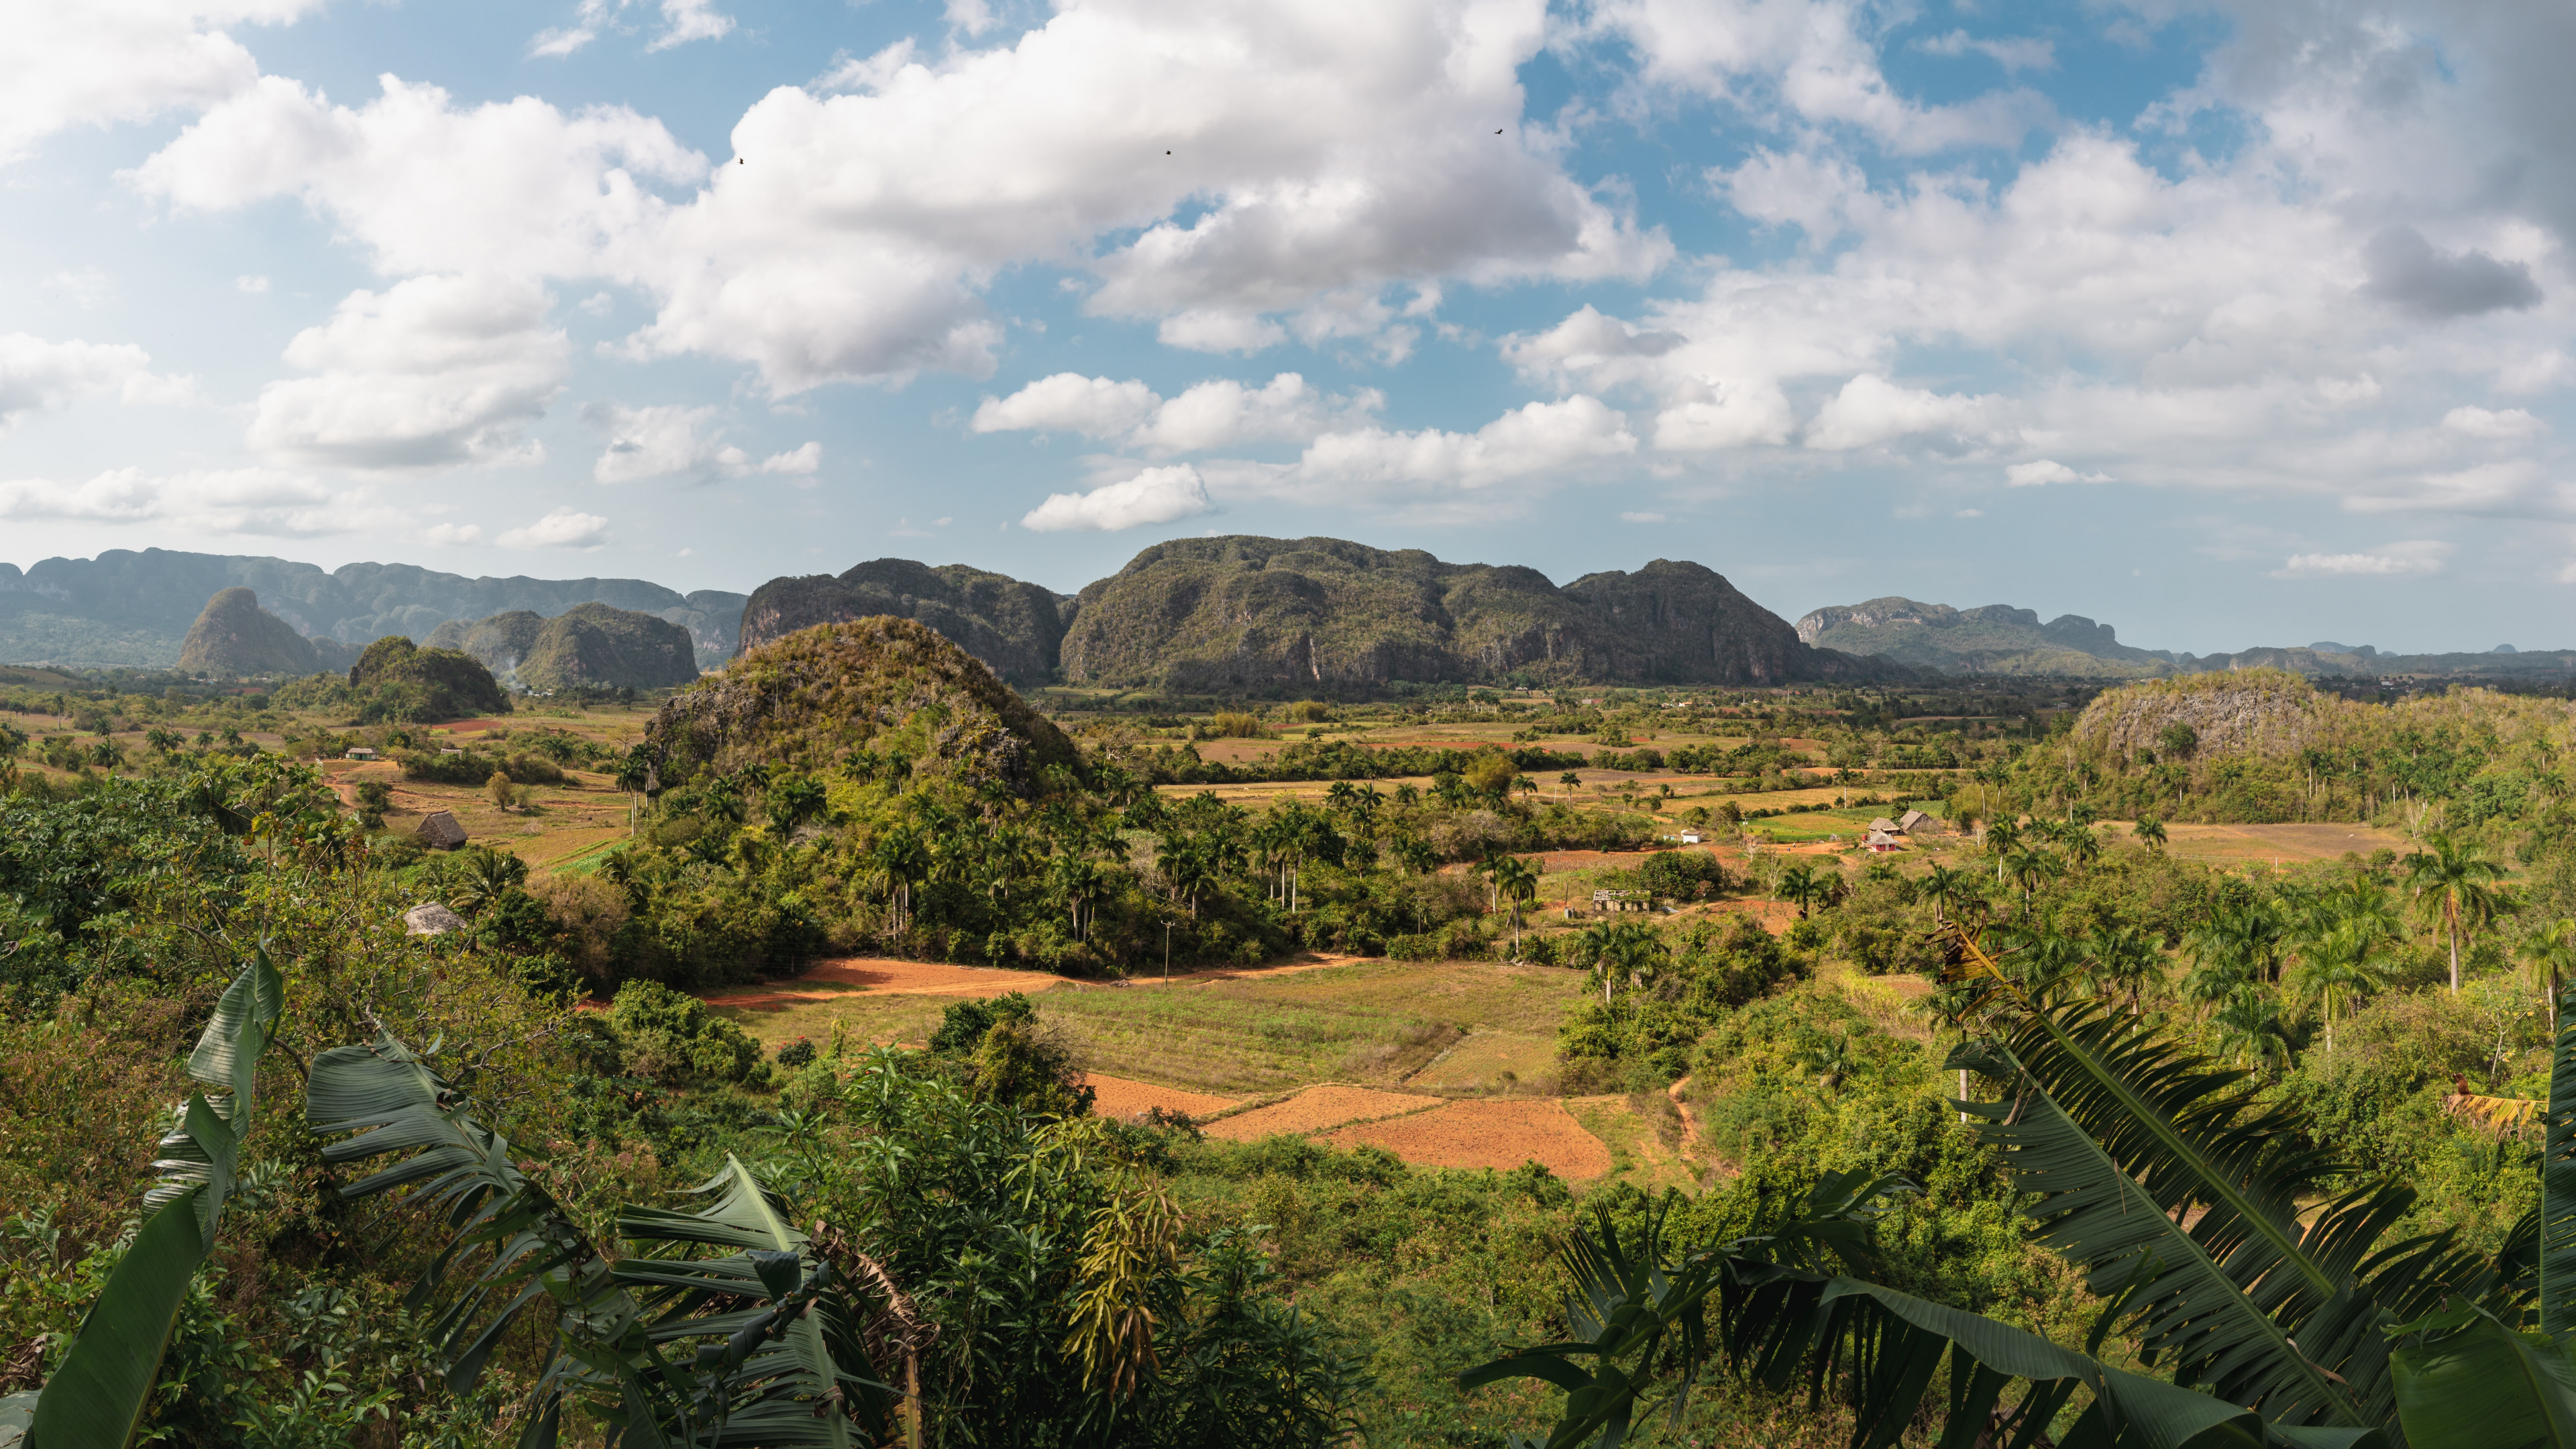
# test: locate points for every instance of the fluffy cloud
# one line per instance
(2512, 425)
(682, 22)
(1156, 495)
(563, 528)
(1539, 439)
(2041, 471)
(668, 442)
(2414, 558)
(2406, 270)
(107, 61)
(41, 376)
(253, 501)
(1809, 62)
(1317, 151)
(1870, 409)
(430, 372)
(514, 187)
(1215, 414)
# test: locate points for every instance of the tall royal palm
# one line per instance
(2454, 882)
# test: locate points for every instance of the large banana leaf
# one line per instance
(1637, 1318)
(783, 1369)
(97, 1397)
(2466, 1381)
(2557, 1224)
(2125, 1138)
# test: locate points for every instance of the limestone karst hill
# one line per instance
(234, 637)
(1014, 627)
(1245, 613)
(135, 608)
(876, 698)
(587, 645)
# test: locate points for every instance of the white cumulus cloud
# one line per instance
(41, 376)
(430, 372)
(675, 441)
(1870, 409)
(261, 502)
(565, 528)
(1156, 495)
(1217, 413)
(103, 62)
(2413, 558)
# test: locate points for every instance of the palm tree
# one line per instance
(1517, 880)
(2124, 961)
(2002, 837)
(2336, 967)
(1799, 885)
(2250, 1030)
(2150, 832)
(2236, 947)
(2031, 865)
(2451, 882)
(1569, 780)
(1945, 888)
(900, 860)
(2549, 954)
(2083, 847)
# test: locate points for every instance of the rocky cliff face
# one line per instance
(1016, 628)
(1239, 613)
(234, 637)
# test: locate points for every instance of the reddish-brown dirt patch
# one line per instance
(1500, 1134)
(1119, 1097)
(861, 975)
(469, 726)
(1314, 1110)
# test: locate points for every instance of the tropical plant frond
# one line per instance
(2466, 1381)
(2556, 1228)
(95, 1399)
(2151, 1163)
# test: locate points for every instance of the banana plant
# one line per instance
(96, 1398)
(2265, 1280)
(757, 1346)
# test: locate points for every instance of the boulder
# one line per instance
(439, 831)
(432, 919)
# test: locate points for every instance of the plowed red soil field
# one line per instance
(874, 976)
(1119, 1097)
(1315, 1109)
(1500, 1134)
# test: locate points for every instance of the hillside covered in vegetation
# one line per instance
(1016, 628)
(1230, 614)
(586, 647)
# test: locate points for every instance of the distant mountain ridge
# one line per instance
(2002, 639)
(135, 608)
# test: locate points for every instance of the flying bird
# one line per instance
(1498, 130)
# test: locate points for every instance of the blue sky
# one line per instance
(2225, 324)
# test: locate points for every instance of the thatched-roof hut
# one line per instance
(439, 830)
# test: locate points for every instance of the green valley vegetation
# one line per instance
(396, 679)
(2049, 1128)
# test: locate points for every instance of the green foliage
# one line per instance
(670, 1036)
(395, 680)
